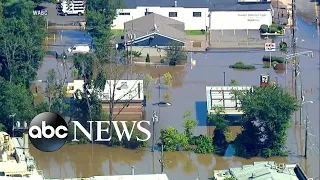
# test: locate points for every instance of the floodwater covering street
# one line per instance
(188, 93)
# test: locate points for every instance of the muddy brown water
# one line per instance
(188, 93)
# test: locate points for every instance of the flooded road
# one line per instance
(188, 93)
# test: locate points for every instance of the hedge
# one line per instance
(241, 65)
(278, 59)
(273, 28)
(264, 28)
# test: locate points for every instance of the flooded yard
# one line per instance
(188, 93)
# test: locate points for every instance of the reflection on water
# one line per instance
(92, 160)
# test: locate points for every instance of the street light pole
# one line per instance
(154, 120)
(224, 78)
(306, 138)
(306, 130)
(162, 158)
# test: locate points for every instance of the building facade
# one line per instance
(193, 18)
(201, 14)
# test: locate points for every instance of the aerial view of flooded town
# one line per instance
(159, 90)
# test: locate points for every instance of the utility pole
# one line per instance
(154, 120)
(162, 158)
(131, 37)
(224, 78)
(306, 137)
(293, 43)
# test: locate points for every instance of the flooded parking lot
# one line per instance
(188, 93)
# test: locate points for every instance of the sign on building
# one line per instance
(264, 80)
(270, 47)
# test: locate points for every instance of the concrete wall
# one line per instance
(183, 14)
(133, 112)
(150, 50)
(229, 20)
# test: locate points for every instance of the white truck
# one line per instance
(71, 8)
(79, 48)
(72, 11)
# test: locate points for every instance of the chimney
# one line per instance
(25, 142)
(175, 4)
(132, 170)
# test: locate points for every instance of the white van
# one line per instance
(79, 48)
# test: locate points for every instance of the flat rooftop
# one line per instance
(261, 171)
(213, 5)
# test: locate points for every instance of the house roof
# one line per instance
(213, 5)
(155, 23)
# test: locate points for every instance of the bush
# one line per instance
(264, 28)
(277, 26)
(278, 59)
(266, 66)
(273, 29)
(241, 65)
(148, 58)
(203, 143)
(162, 61)
(283, 46)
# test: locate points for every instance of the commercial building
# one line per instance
(154, 30)
(201, 14)
(262, 170)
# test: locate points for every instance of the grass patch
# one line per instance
(194, 32)
(117, 32)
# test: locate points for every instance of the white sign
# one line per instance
(270, 47)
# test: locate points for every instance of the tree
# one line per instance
(175, 53)
(233, 82)
(148, 58)
(189, 124)
(99, 18)
(15, 99)
(115, 72)
(172, 139)
(167, 79)
(51, 87)
(267, 118)
(21, 36)
(221, 128)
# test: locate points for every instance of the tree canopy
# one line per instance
(267, 118)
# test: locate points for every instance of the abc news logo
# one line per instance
(48, 131)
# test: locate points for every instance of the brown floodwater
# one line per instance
(188, 93)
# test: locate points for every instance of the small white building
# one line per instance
(128, 97)
(222, 96)
(201, 14)
(124, 89)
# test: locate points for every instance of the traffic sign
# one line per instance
(270, 47)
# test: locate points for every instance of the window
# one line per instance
(173, 14)
(124, 14)
(196, 14)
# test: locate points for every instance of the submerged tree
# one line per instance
(175, 53)
(267, 118)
